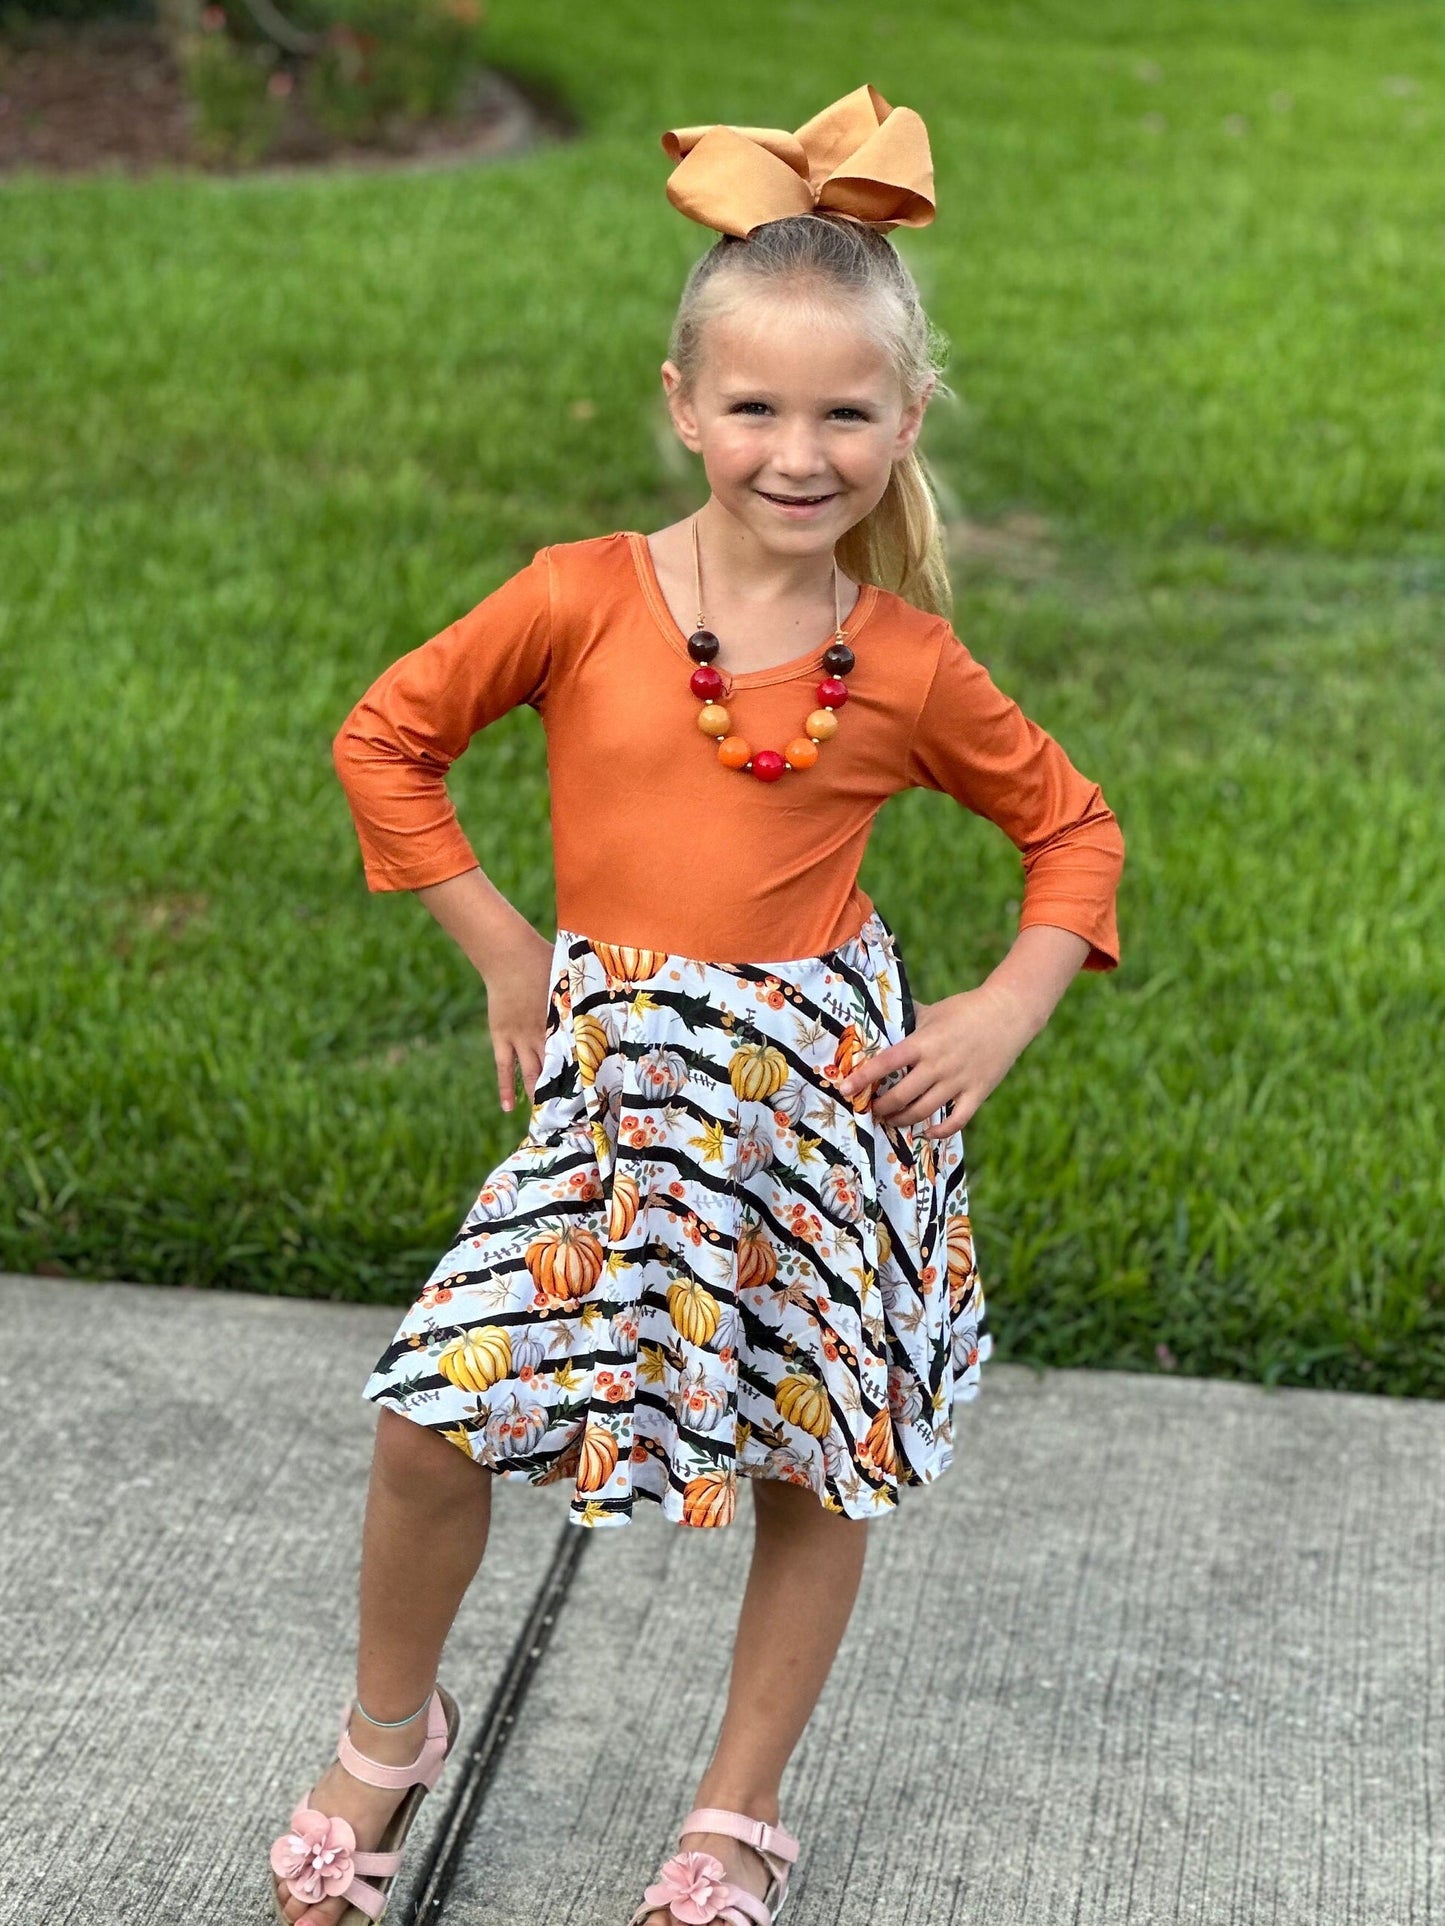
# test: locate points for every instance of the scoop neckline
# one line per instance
(810, 660)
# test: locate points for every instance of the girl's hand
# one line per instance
(518, 977)
(959, 1050)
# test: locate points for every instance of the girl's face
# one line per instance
(798, 417)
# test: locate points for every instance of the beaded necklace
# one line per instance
(735, 752)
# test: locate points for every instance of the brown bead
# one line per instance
(838, 658)
(702, 645)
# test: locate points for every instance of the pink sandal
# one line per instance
(317, 1858)
(693, 1883)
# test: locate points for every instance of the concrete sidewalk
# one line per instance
(1154, 1650)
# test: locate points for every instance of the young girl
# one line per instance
(734, 1243)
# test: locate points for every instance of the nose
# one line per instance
(796, 454)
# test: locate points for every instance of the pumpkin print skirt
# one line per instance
(702, 1261)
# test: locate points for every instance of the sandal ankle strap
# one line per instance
(424, 1769)
(738, 1825)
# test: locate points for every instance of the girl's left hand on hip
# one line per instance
(960, 1050)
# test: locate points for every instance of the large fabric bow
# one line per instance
(860, 158)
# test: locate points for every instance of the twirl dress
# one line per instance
(702, 1261)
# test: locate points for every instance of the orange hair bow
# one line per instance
(860, 157)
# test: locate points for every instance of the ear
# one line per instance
(684, 418)
(911, 423)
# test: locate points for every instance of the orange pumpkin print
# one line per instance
(625, 965)
(565, 1264)
(622, 1212)
(597, 1459)
(757, 1258)
(878, 1447)
(711, 1498)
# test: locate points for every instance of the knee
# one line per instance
(416, 1462)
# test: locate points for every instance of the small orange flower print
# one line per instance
(693, 1231)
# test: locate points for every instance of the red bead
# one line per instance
(832, 693)
(768, 765)
(706, 683)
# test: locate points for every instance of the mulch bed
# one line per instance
(107, 94)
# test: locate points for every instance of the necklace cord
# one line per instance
(697, 583)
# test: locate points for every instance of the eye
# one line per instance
(747, 407)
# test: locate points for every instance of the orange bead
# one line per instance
(734, 753)
(714, 720)
(801, 753)
(822, 724)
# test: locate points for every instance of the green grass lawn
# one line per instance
(262, 436)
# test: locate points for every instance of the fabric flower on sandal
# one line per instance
(314, 1858)
(693, 1884)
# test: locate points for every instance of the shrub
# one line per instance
(362, 70)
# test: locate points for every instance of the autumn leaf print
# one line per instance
(712, 1144)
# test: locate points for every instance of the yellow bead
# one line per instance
(714, 720)
(821, 724)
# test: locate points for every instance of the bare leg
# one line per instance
(807, 1563)
(428, 1508)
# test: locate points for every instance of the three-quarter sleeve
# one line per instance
(394, 749)
(974, 743)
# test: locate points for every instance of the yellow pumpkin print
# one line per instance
(590, 1042)
(757, 1071)
(694, 1309)
(477, 1359)
(801, 1399)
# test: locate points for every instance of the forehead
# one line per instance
(795, 349)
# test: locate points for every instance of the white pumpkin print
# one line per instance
(496, 1199)
(699, 1400)
(528, 1349)
(661, 1074)
(843, 1194)
(755, 1153)
(791, 1098)
(516, 1428)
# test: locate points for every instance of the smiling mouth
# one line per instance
(795, 501)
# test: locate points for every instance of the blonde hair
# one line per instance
(899, 544)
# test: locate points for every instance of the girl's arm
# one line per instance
(962, 1048)
(392, 754)
(975, 743)
(514, 962)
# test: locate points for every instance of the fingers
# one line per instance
(532, 1074)
(506, 1074)
(513, 1060)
